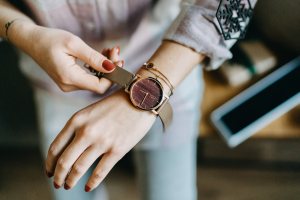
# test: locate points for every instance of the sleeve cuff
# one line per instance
(197, 27)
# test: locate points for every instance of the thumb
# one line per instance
(93, 58)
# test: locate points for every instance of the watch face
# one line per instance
(146, 93)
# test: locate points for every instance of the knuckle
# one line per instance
(87, 131)
(76, 118)
(53, 150)
(64, 80)
(117, 151)
(62, 164)
(93, 57)
(78, 168)
(72, 41)
(93, 183)
(65, 88)
(99, 174)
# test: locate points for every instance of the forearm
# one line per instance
(17, 31)
(174, 60)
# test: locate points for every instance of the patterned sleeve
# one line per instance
(197, 27)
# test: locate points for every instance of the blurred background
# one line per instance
(266, 166)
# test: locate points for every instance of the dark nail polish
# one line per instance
(118, 50)
(48, 174)
(122, 63)
(87, 189)
(108, 52)
(66, 186)
(56, 186)
(108, 65)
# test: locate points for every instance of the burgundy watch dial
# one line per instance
(146, 93)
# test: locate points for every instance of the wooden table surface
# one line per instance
(217, 92)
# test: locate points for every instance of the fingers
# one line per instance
(105, 165)
(81, 166)
(93, 58)
(60, 143)
(105, 83)
(113, 55)
(119, 63)
(79, 79)
(90, 82)
(106, 52)
(66, 161)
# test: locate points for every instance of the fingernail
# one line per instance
(108, 65)
(87, 189)
(122, 63)
(108, 52)
(118, 50)
(66, 186)
(48, 174)
(56, 186)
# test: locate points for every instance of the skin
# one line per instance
(55, 51)
(93, 132)
(103, 128)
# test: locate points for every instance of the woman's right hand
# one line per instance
(56, 51)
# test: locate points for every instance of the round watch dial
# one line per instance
(146, 93)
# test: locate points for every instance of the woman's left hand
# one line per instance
(108, 128)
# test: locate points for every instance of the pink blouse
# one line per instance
(138, 27)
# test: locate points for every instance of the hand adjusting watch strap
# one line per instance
(120, 76)
(124, 79)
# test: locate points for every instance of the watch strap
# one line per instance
(124, 79)
(166, 114)
(120, 76)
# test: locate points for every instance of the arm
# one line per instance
(197, 27)
(175, 61)
(55, 51)
(8, 13)
(112, 126)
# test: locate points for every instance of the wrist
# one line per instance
(122, 100)
(20, 34)
(145, 73)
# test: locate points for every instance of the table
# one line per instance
(217, 92)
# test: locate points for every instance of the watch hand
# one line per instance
(143, 92)
(144, 98)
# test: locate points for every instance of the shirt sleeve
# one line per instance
(197, 27)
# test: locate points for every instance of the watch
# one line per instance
(146, 93)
